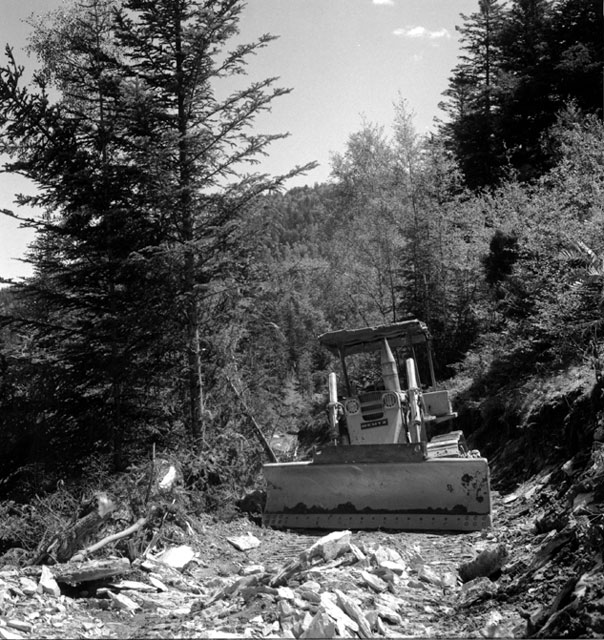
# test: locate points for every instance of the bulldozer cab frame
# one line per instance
(386, 412)
(408, 334)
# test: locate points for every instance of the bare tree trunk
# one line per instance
(257, 430)
(194, 373)
(194, 378)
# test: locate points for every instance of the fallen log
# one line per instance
(81, 555)
(257, 430)
(73, 573)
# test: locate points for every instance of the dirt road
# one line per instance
(542, 582)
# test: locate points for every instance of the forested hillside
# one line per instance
(176, 295)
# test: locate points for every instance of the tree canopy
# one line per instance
(521, 63)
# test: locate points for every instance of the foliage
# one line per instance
(21, 526)
(546, 279)
(521, 62)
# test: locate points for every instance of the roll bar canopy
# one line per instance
(349, 341)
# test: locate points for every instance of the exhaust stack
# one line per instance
(389, 370)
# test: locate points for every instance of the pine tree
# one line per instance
(472, 96)
(576, 43)
(522, 62)
(528, 106)
(176, 49)
(86, 297)
(142, 171)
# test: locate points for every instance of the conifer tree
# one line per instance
(522, 62)
(88, 333)
(144, 172)
(177, 50)
(473, 94)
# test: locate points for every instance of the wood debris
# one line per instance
(78, 572)
(133, 585)
(63, 546)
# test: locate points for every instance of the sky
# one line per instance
(346, 61)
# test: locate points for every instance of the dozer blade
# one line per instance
(443, 494)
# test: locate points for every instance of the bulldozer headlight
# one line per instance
(352, 406)
(389, 400)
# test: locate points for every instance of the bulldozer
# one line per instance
(392, 460)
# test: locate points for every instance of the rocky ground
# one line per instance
(536, 573)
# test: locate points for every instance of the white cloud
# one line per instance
(421, 32)
(383, 1)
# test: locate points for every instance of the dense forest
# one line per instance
(177, 296)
